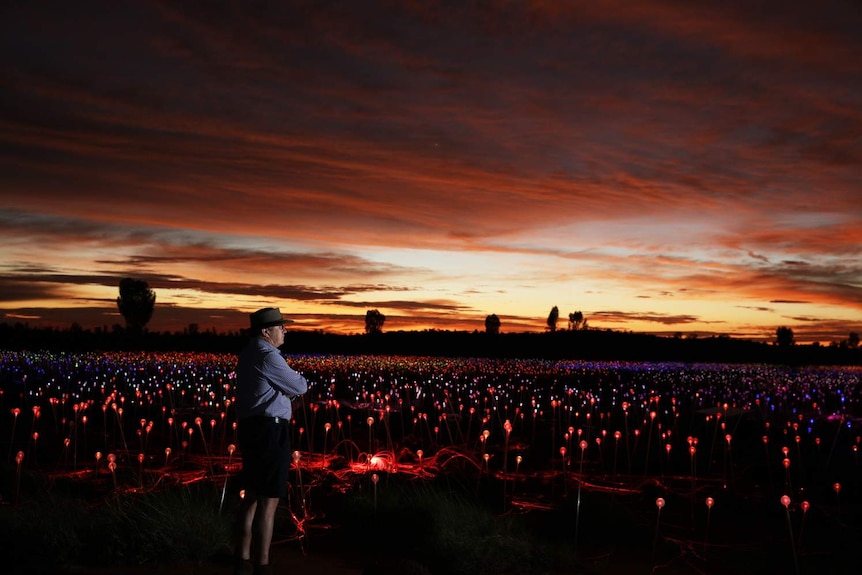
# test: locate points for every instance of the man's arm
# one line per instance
(283, 377)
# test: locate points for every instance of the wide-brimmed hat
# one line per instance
(267, 317)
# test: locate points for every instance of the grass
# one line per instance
(59, 523)
(451, 524)
(441, 526)
(425, 526)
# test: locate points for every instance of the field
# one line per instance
(445, 465)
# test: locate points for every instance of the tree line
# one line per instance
(136, 303)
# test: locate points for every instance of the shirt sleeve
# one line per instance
(282, 376)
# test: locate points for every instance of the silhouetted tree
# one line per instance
(784, 337)
(136, 303)
(374, 321)
(853, 340)
(553, 318)
(575, 319)
(492, 324)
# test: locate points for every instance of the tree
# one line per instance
(136, 303)
(492, 324)
(575, 320)
(374, 321)
(784, 337)
(553, 318)
(853, 340)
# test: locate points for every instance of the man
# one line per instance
(265, 387)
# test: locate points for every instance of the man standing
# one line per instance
(264, 390)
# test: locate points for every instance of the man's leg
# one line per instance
(264, 521)
(244, 522)
(245, 519)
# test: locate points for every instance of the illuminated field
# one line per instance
(692, 442)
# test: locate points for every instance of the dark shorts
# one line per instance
(266, 456)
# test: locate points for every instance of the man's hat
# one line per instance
(267, 317)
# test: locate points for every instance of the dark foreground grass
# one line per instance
(423, 526)
(56, 523)
(457, 524)
(439, 528)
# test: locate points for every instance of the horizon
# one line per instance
(659, 166)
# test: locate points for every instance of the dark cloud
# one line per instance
(618, 317)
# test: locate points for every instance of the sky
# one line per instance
(661, 166)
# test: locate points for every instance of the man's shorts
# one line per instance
(266, 456)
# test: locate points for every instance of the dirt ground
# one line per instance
(287, 558)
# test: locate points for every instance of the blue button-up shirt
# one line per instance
(265, 383)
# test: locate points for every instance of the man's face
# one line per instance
(275, 335)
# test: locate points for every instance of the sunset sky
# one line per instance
(662, 166)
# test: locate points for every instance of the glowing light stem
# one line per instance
(230, 449)
(198, 422)
(583, 446)
(649, 442)
(326, 427)
(296, 458)
(628, 450)
(714, 441)
(836, 487)
(507, 427)
(518, 460)
(374, 479)
(785, 500)
(370, 422)
(19, 459)
(118, 413)
(709, 503)
(729, 458)
(659, 503)
(805, 507)
(113, 468)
